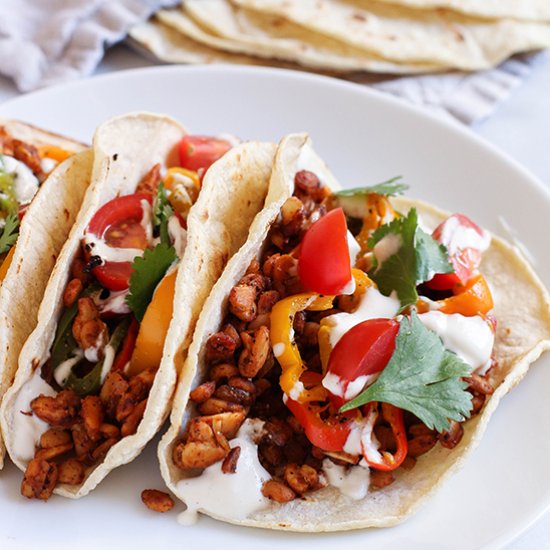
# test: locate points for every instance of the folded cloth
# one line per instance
(43, 42)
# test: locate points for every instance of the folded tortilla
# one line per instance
(42, 232)
(522, 309)
(233, 192)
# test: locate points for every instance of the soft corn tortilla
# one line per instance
(523, 313)
(219, 24)
(405, 35)
(233, 192)
(535, 10)
(42, 233)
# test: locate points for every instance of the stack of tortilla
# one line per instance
(343, 37)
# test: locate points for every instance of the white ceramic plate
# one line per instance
(365, 137)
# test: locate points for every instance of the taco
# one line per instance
(349, 358)
(96, 377)
(38, 205)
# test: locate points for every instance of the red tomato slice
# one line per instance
(465, 261)
(118, 223)
(324, 262)
(200, 152)
(330, 434)
(365, 349)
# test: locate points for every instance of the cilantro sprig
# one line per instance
(393, 186)
(421, 377)
(417, 259)
(162, 210)
(147, 273)
(9, 234)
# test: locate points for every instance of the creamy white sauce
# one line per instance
(361, 438)
(235, 495)
(278, 349)
(352, 482)
(348, 289)
(296, 390)
(353, 247)
(458, 237)
(178, 235)
(115, 303)
(470, 338)
(347, 389)
(386, 247)
(108, 359)
(29, 429)
(47, 164)
(26, 183)
(92, 353)
(63, 370)
(98, 247)
(373, 305)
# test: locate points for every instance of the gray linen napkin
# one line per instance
(43, 42)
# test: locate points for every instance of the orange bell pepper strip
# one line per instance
(154, 326)
(474, 298)
(6, 263)
(53, 152)
(285, 349)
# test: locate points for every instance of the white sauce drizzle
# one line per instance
(352, 482)
(108, 359)
(373, 305)
(26, 183)
(236, 495)
(47, 164)
(63, 370)
(107, 253)
(470, 338)
(29, 429)
(386, 247)
(115, 303)
(347, 390)
(178, 235)
(278, 349)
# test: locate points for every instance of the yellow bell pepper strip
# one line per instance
(285, 349)
(182, 196)
(362, 282)
(474, 298)
(6, 263)
(154, 326)
(53, 152)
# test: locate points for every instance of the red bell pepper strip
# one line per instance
(386, 461)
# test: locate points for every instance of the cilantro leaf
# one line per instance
(388, 188)
(9, 234)
(147, 273)
(161, 214)
(416, 260)
(421, 377)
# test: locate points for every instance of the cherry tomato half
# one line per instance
(324, 262)
(200, 152)
(330, 434)
(364, 349)
(118, 223)
(465, 261)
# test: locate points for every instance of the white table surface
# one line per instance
(520, 127)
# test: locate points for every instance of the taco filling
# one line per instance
(92, 389)
(355, 343)
(23, 168)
